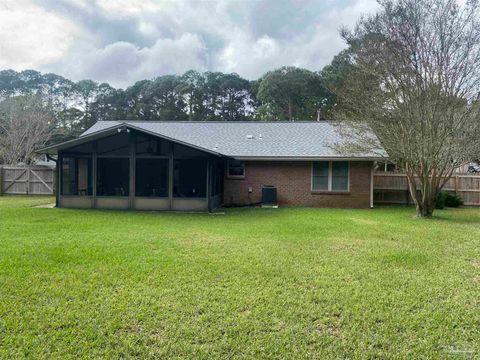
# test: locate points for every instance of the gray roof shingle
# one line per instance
(248, 139)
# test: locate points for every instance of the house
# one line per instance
(200, 166)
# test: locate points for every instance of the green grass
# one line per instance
(253, 283)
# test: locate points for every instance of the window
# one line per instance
(76, 176)
(113, 176)
(190, 178)
(320, 175)
(330, 176)
(236, 169)
(151, 177)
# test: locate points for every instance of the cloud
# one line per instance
(31, 36)
(121, 63)
(123, 41)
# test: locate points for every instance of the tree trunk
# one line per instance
(424, 199)
(425, 210)
(289, 111)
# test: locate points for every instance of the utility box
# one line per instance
(269, 195)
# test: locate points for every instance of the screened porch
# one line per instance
(134, 170)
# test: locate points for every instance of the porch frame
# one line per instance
(133, 202)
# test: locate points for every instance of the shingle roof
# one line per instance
(247, 139)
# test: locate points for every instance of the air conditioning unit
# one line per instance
(269, 196)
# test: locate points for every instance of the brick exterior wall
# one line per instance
(293, 182)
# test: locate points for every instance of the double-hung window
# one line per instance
(330, 176)
(236, 169)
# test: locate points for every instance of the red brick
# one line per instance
(293, 182)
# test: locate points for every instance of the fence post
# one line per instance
(55, 181)
(1, 180)
(456, 184)
(27, 186)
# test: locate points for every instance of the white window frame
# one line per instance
(330, 176)
(235, 176)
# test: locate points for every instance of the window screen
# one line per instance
(151, 146)
(113, 176)
(189, 178)
(236, 168)
(320, 173)
(151, 177)
(330, 175)
(339, 175)
(76, 176)
(69, 176)
(117, 145)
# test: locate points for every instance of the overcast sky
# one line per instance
(122, 41)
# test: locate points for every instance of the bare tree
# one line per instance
(416, 84)
(24, 126)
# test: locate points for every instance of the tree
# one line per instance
(416, 85)
(25, 125)
(87, 91)
(191, 87)
(334, 76)
(287, 93)
(227, 96)
(163, 99)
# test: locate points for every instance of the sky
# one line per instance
(123, 41)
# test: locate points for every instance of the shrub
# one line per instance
(441, 199)
(446, 199)
(453, 200)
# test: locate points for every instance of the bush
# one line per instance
(453, 200)
(446, 199)
(441, 200)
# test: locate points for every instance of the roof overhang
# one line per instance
(54, 149)
(310, 158)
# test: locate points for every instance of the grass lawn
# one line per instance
(253, 283)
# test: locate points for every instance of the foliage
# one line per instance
(447, 199)
(453, 200)
(291, 93)
(441, 200)
(287, 93)
(253, 283)
(416, 83)
(25, 125)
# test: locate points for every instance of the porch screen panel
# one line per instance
(76, 176)
(146, 146)
(151, 177)
(113, 176)
(69, 176)
(116, 145)
(190, 178)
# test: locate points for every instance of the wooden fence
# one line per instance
(27, 180)
(392, 188)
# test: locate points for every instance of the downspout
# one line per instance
(371, 184)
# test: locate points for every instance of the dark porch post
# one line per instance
(59, 176)
(170, 176)
(209, 180)
(94, 175)
(131, 189)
